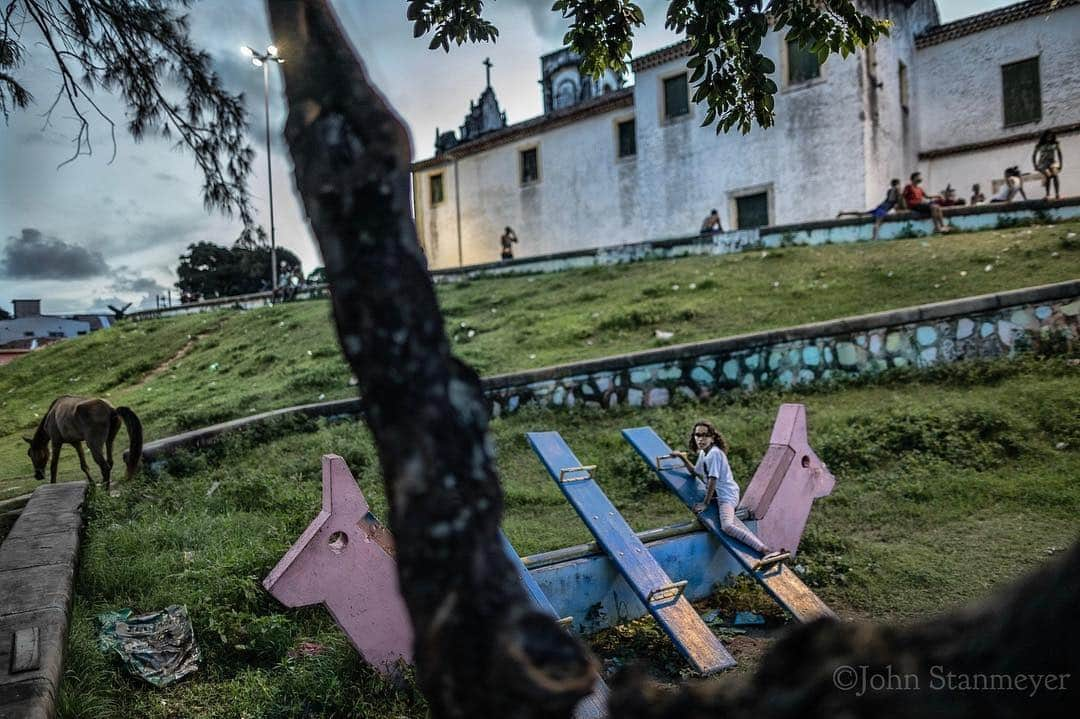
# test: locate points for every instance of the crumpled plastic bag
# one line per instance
(159, 647)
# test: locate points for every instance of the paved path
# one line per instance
(38, 561)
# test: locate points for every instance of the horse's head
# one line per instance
(39, 455)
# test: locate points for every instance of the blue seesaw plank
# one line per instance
(661, 597)
(593, 706)
(778, 579)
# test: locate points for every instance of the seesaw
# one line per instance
(778, 497)
(345, 558)
(662, 597)
(345, 561)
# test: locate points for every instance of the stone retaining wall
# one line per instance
(38, 561)
(898, 225)
(984, 326)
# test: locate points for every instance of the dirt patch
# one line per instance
(164, 366)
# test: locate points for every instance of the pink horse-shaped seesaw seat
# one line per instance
(788, 480)
(345, 560)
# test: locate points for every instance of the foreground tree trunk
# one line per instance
(481, 650)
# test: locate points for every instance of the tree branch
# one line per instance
(481, 648)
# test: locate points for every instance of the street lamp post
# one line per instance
(263, 60)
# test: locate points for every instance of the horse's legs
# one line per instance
(82, 460)
(114, 428)
(55, 464)
(103, 464)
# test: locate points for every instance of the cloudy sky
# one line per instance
(104, 229)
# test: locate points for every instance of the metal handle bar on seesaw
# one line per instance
(670, 592)
(587, 469)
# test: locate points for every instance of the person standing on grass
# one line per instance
(712, 464)
(916, 200)
(1048, 161)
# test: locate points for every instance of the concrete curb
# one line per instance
(38, 561)
(921, 313)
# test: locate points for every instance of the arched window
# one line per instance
(566, 94)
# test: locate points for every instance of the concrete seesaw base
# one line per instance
(38, 561)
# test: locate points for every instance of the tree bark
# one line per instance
(481, 648)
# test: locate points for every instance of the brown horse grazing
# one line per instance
(74, 420)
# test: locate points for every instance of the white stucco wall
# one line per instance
(40, 326)
(960, 98)
(836, 143)
(690, 169)
(585, 196)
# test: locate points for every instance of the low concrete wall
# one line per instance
(834, 231)
(982, 326)
(37, 575)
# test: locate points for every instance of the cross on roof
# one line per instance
(488, 66)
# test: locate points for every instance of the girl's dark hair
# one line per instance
(1047, 137)
(718, 439)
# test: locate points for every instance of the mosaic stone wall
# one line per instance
(782, 359)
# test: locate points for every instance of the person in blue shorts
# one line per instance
(892, 199)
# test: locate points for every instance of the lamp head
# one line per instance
(247, 51)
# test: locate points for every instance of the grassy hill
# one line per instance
(186, 372)
(950, 480)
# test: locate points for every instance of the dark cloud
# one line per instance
(32, 256)
(137, 284)
(166, 177)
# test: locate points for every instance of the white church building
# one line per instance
(607, 164)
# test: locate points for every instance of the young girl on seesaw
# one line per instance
(712, 465)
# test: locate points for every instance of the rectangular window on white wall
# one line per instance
(530, 166)
(436, 185)
(1020, 92)
(676, 96)
(627, 136)
(752, 210)
(802, 65)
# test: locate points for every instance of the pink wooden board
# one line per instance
(345, 560)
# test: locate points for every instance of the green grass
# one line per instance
(238, 363)
(949, 482)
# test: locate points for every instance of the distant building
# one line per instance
(607, 164)
(29, 324)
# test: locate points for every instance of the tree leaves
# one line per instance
(142, 51)
(729, 71)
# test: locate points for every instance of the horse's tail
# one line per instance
(134, 430)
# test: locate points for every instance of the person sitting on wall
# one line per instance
(949, 198)
(1014, 185)
(915, 199)
(977, 197)
(711, 223)
(507, 239)
(1047, 160)
(892, 199)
